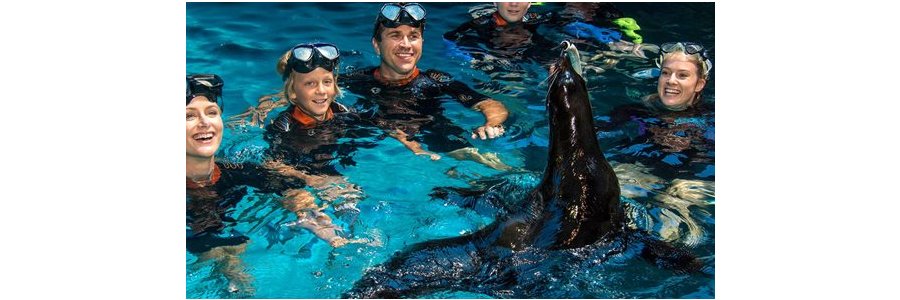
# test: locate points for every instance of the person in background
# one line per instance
(510, 33)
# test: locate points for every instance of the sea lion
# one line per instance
(574, 214)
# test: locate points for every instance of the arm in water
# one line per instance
(258, 114)
(311, 217)
(413, 146)
(328, 187)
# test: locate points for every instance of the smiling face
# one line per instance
(679, 81)
(400, 49)
(314, 92)
(512, 12)
(204, 127)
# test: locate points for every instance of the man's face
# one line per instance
(400, 49)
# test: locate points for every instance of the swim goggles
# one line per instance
(207, 85)
(690, 48)
(307, 57)
(393, 15)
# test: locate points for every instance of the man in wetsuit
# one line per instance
(407, 102)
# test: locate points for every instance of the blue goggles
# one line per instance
(393, 15)
(307, 57)
(207, 85)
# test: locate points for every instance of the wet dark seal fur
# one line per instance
(575, 209)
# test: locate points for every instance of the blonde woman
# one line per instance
(213, 188)
(684, 72)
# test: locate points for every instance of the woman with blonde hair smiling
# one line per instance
(214, 189)
(684, 72)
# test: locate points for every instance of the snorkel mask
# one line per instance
(393, 15)
(688, 48)
(307, 57)
(207, 85)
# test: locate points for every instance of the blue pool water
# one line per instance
(242, 41)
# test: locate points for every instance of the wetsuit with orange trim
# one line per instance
(210, 205)
(299, 140)
(414, 105)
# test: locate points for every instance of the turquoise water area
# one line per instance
(242, 41)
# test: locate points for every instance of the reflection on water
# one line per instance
(666, 207)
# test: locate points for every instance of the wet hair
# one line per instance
(281, 67)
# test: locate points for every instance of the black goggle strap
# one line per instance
(209, 85)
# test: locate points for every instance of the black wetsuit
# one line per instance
(597, 13)
(209, 209)
(315, 147)
(516, 41)
(678, 144)
(414, 107)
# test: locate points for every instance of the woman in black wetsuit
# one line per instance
(676, 118)
(213, 189)
(663, 149)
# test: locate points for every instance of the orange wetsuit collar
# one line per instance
(306, 121)
(213, 178)
(499, 20)
(400, 82)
